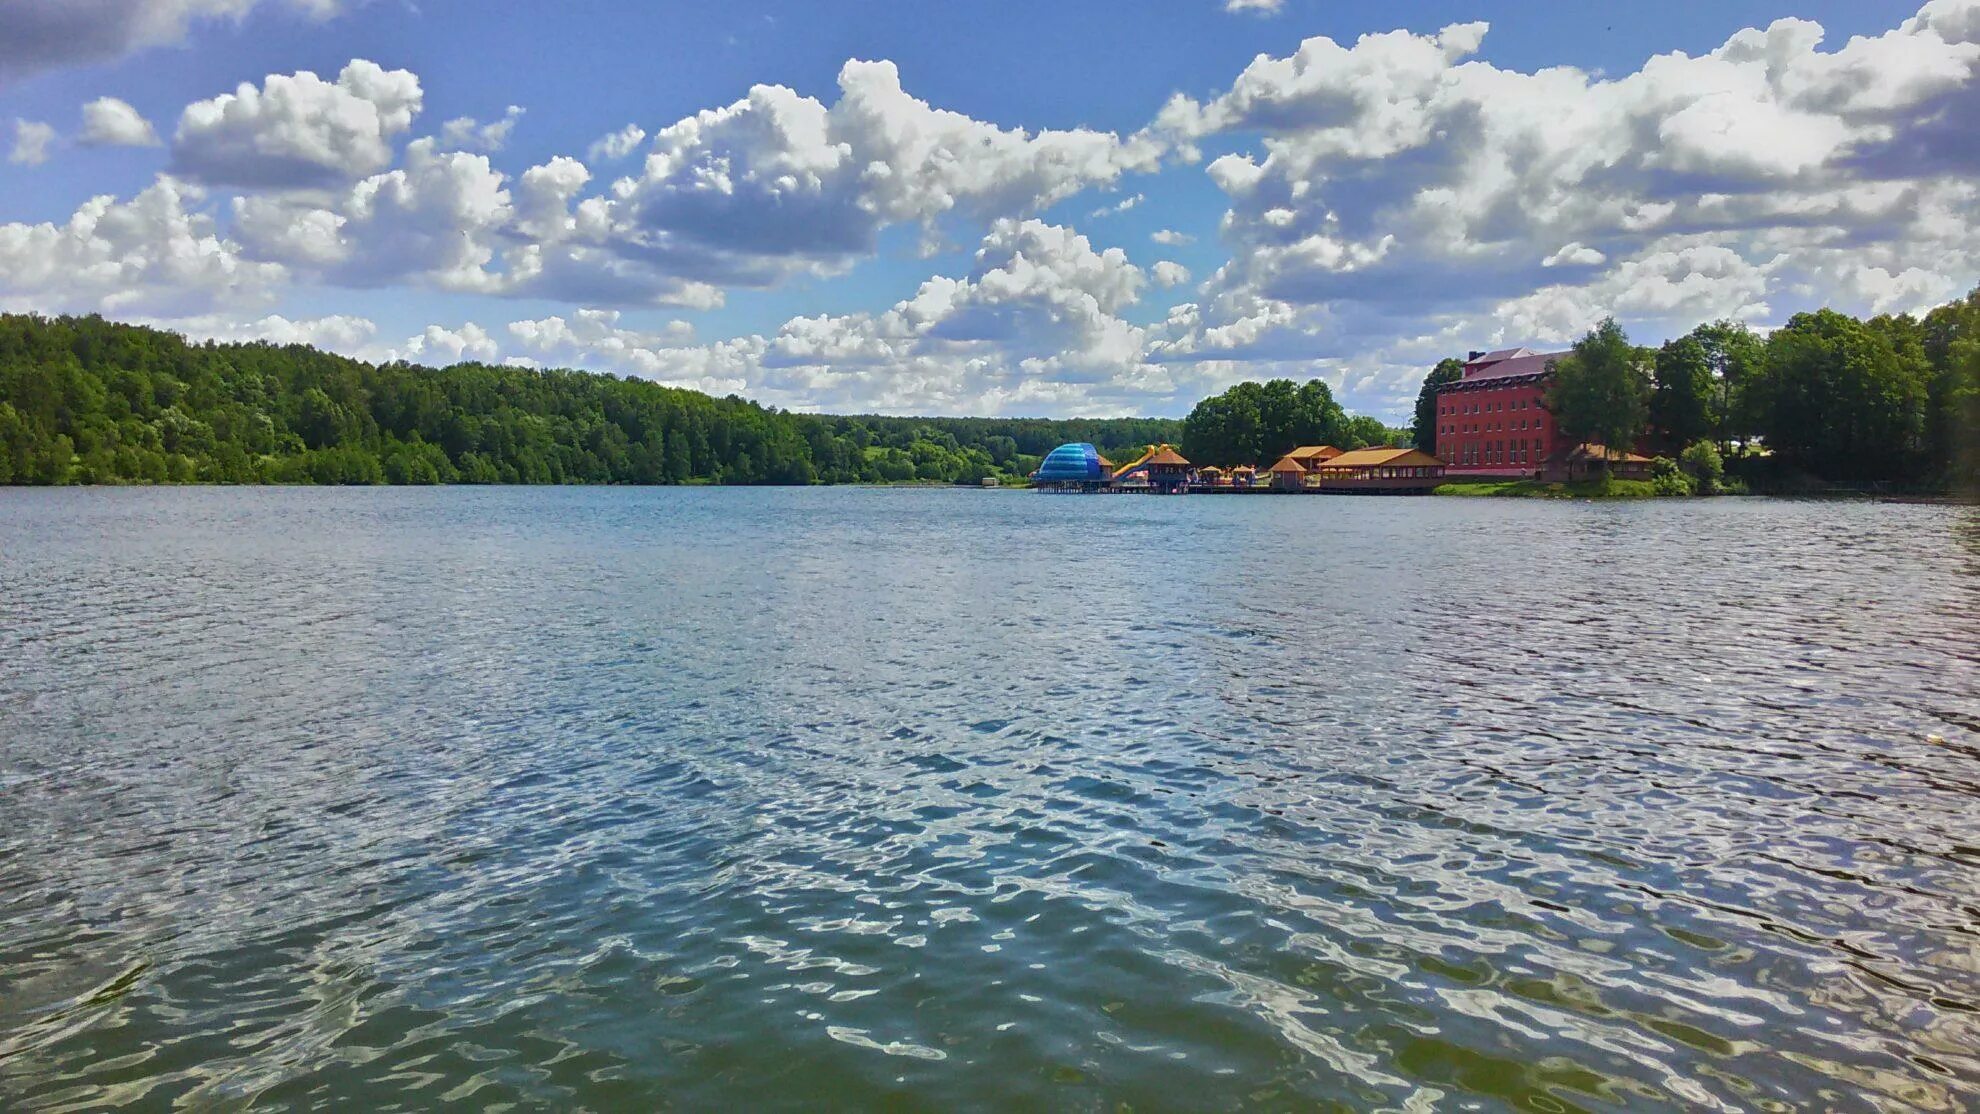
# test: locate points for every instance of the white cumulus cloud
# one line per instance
(298, 130)
(109, 122)
(155, 254)
(617, 145)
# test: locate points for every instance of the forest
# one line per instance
(84, 400)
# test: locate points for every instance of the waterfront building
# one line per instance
(1077, 466)
(1288, 474)
(1491, 422)
(1589, 460)
(1161, 469)
(1213, 476)
(1308, 456)
(1384, 470)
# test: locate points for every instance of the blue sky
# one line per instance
(981, 208)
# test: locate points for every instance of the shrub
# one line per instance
(1666, 478)
(1707, 471)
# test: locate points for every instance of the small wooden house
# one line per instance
(1288, 474)
(1386, 470)
(1588, 460)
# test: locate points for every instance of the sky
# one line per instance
(1017, 208)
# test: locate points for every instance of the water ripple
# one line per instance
(695, 798)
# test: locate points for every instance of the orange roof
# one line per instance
(1288, 464)
(1308, 452)
(1156, 454)
(1381, 458)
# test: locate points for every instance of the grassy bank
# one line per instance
(1534, 489)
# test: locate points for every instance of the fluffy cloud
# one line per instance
(151, 255)
(31, 142)
(335, 333)
(1169, 237)
(109, 122)
(617, 145)
(468, 134)
(1400, 190)
(297, 130)
(1166, 273)
(1034, 327)
(438, 346)
(450, 220)
(49, 34)
(779, 183)
(773, 185)
(1573, 254)
(433, 220)
(1255, 7)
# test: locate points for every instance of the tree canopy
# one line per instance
(83, 400)
(1601, 391)
(1844, 399)
(1257, 423)
(1423, 428)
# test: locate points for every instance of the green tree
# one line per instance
(1423, 430)
(1256, 423)
(1601, 391)
(1682, 393)
(1837, 399)
(1734, 353)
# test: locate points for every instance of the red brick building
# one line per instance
(1491, 422)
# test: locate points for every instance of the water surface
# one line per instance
(623, 799)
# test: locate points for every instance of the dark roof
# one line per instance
(1509, 362)
(1593, 450)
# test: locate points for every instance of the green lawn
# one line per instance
(1534, 489)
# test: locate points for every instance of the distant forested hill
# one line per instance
(84, 400)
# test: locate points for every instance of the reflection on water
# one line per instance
(618, 798)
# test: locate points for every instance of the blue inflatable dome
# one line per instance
(1072, 463)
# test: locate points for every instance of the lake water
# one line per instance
(919, 799)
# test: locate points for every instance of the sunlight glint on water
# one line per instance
(617, 798)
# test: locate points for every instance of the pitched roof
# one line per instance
(1306, 452)
(1381, 458)
(1509, 362)
(1288, 464)
(1156, 454)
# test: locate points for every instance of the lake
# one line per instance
(917, 799)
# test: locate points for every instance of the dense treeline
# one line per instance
(1257, 423)
(83, 400)
(1826, 396)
